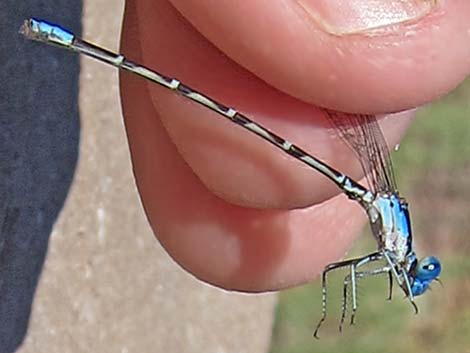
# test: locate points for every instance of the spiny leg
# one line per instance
(403, 281)
(334, 266)
(323, 294)
(327, 269)
(359, 275)
(390, 285)
(391, 273)
(344, 306)
(368, 259)
(409, 293)
(351, 278)
(353, 293)
(392, 268)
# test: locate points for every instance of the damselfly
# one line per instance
(387, 211)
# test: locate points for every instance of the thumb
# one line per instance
(369, 56)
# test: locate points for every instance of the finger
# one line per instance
(342, 54)
(227, 245)
(229, 161)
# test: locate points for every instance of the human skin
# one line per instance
(227, 206)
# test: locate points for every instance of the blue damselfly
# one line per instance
(387, 211)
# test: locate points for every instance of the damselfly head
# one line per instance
(425, 271)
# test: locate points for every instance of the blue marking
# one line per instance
(402, 221)
(395, 216)
(54, 33)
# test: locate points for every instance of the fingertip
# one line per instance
(233, 247)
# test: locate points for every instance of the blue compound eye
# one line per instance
(428, 269)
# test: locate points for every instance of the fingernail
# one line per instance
(343, 17)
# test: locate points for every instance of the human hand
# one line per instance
(226, 205)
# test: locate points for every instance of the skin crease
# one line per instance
(227, 206)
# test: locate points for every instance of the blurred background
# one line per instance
(432, 166)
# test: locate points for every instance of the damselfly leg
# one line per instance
(390, 285)
(403, 280)
(353, 265)
(349, 280)
(409, 291)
